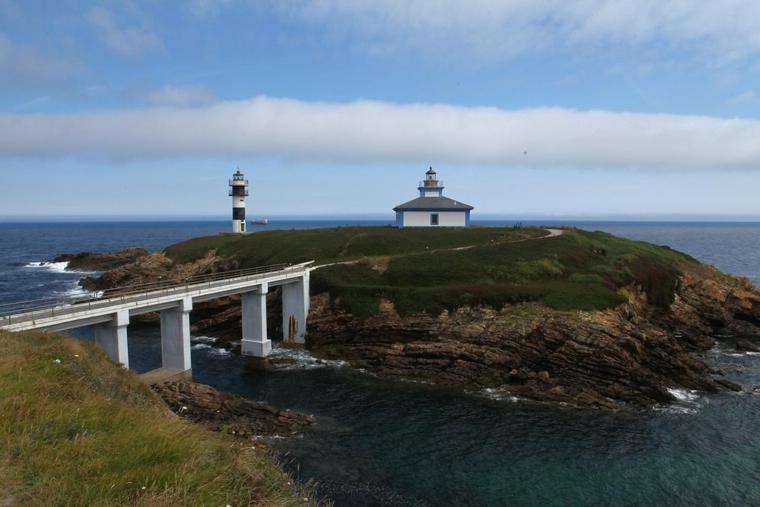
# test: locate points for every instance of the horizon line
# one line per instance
(378, 217)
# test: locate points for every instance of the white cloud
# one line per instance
(126, 40)
(22, 66)
(181, 96)
(725, 30)
(378, 131)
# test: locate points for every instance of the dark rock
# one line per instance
(229, 413)
(745, 345)
(93, 261)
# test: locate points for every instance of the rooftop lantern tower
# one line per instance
(238, 191)
(431, 186)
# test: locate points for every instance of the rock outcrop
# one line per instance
(628, 356)
(94, 261)
(229, 413)
(147, 269)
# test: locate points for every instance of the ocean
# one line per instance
(386, 442)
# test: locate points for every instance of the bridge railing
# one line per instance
(24, 311)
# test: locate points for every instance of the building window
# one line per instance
(434, 219)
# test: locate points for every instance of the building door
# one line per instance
(434, 219)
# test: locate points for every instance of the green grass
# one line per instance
(424, 273)
(87, 432)
(340, 243)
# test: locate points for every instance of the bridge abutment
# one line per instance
(295, 308)
(175, 336)
(112, 337)
(254, 320)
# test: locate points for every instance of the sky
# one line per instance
(526, 108)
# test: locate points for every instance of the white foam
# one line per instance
(499, 394)
(203, 339)
(677, 409)
(201, 346)
(219, 351)
(56, 267)
(301, 359)
(684, 394)
(78, 292)
(686, 402)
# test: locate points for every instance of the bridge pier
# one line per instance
(175, 335)
(112, 337)
(254, 319)
(295, 308)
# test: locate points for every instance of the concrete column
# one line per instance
(175, 336)
(112, 337)
(254, 306)
(295, 309)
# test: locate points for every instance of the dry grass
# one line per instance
(76, 429)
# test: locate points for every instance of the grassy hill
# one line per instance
(429, 270)
(76, 429)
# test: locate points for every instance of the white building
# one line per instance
(431, 208)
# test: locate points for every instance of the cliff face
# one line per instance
(630, 355)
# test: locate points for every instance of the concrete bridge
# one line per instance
(110, 313)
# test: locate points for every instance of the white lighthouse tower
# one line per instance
(238, 191)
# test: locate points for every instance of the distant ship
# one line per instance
(263, 221)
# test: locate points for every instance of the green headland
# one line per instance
(429, 270)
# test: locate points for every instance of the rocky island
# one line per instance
(561, 316)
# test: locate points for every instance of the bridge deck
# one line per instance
(141, 299)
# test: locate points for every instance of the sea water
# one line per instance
(384, 442)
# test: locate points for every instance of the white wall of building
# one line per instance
(445, 218)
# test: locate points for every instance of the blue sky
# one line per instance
(572, 108)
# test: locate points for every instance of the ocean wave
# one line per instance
(55, 267)
(684, 394)
(299, 359)
(499, 394)
(687, 402)
(78, 292)
(58, 267)
(203, 339)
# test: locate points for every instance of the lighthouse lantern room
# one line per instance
(238, 191)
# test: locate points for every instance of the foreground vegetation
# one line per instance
(430, 270)
(76, 429)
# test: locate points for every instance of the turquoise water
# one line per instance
(382, 442)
